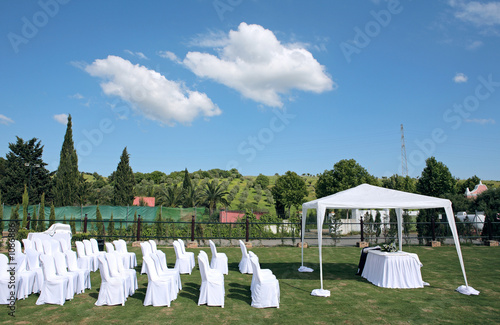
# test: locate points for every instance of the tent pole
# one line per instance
(304, 212)
(399, 213)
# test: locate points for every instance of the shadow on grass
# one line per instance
(240, 292)
(191, 291)
(331, 271)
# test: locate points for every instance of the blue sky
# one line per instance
(261, 86)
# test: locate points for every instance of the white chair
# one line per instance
(90, 252)
(47, 247)
(27, 244)
(212, 284)
(119, 251)
(73, 267)
(153, 246)
(95, 247)
(28, 282)
(131, 255)
(263, 272)
(61, 269)
(183, 261)
(33, 264)
(84, 262)
(146, 251)
(55, 288)
(219, 260)
(112, 259)
(38, 245)
(163, 264)
(245, 266)
(158, 292)
(112, 290)
(173, 275)
(109, 247)
(5, 296)
(131, 273)
(265, 288)
(64, 245)
(190, 254)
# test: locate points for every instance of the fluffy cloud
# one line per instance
(253, 61)
(61, 118)
(5, 120)
(140, 55)
(150, 93)
(460, 78)
(477, 13)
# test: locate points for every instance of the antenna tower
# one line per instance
(404, 161)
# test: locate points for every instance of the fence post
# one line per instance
(247, 225)
(192, 228)
(28, 219)
(362, 227)
(433, 226)
(139, 228)
(85, 223)
(490, 229)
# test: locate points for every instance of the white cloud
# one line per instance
(140, 55)
(460, 78)
(481, 121)
(61, 118)
(474, 45)
(477, 13)
(256, 64)
(169, 55)
(77, 96)
(150, 93)
(5, 120)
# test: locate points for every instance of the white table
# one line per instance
(393, 270)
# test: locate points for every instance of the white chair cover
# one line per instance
(159, 288)
(190, 254)
(33, 264)
(65, 246)
(212, 284)
(153, 246)
(90, 253)
(112, 290)
(112, 259)
(84, 262)
(95, 247)
(172, 275)
(164, 268)
(219, 260)
(123, 255)
(55, 288)
(73, 267)
(263, 272)
(182, 262)
(27, 244)
(146, 251)
(28, 282)
(131, 255)
(132, 275)
(265, 289)
(74, 287)
(245, 266)
(38, 245)
(109, 247)
(5, 281)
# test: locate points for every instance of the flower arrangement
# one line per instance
(391, 248)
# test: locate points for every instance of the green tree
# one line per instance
(172, 196)
(124, 182)
(72, 224)
(378, 226)
(24, 166)
(262, 180)
(67, 178)
(134, 225)
(99, 224)
(159, 226)
(52, 215)
(1, 216)
(41, 214)
(186, 183)
(436, 179)
(344, 175)
(192, 197)
(111, 226)
(34, 221)
(25, 207)
(400, 183)
(212, 194)
(469, 183)
(14, 215)
(289, 190)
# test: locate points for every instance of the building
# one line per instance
(478, 189)
(146, 201)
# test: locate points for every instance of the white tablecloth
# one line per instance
(393, 270)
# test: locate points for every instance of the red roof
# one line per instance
(149, 201)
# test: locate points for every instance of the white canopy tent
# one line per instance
(367, 196)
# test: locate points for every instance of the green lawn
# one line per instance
(353, 300)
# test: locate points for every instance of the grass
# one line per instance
(353, 300)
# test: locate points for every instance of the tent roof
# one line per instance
(367, 196)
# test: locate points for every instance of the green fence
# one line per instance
(120, 214)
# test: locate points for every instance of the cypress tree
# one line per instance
(41, 215)
(72, 224)
(34, 221)
(159, 226)
(134, 225)
(14, 215)
(25, 207)
(186, 183)
(99, 224)
(124, 181)
(111, 226)
(67, 179)
(64, 221)
(52, 215)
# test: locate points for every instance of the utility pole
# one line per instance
(404, 161)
